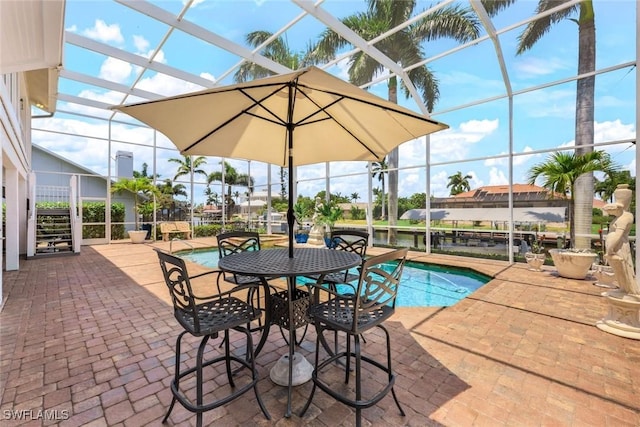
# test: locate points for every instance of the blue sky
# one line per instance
(543, 119)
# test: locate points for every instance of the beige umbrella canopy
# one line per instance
(300, 118)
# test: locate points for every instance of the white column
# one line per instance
(12, 229)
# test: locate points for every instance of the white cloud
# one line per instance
(454, 144)
(497, 177)
(167, 85)
(613, 131)
(141, 43)
(479, 127)
(115, 70)
(104, 33)
(547, 103)
(517, 160)
(531, 66)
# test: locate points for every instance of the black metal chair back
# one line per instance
(183, 298)
(372, 301)
(355, 241)
(207, 316)
(233, 242)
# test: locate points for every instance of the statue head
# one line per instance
(622, 195)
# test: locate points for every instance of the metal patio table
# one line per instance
(271, 263)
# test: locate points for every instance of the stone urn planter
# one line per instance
(137, 236)
(572, 263)
(535, 260)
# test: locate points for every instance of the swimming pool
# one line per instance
(423, 285)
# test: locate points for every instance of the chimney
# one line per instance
(124, 164)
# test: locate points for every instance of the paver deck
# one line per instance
(89, 340)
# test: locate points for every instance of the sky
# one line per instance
(542, 119)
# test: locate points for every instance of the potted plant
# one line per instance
(301, 211)
(536, 256)
(329, 213)
(560, 171)
(138, 186)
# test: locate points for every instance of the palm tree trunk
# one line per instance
(392, 238)
(384, 195)
(583, 196)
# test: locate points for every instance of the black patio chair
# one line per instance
(355, 241)
(233, 242)
(207, 316)
(372, 302)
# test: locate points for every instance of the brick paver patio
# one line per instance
(88, 340)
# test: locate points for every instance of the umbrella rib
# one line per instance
(330, 117)
(374, 104)
(240, 113)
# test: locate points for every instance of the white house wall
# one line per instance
(16, 148)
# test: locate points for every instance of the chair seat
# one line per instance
(217, 315)
(337, 314)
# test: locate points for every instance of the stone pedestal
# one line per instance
(301, 372)
(534, 260)
(623, 318)
(316, 236)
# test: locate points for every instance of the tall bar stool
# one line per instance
(233, 242)
(208, 316)
(355, 241)
(372, 301)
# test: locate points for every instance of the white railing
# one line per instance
(74, 214)
(52, 193)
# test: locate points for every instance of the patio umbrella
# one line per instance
(304, 117)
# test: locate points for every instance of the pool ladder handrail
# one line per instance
(183, 241)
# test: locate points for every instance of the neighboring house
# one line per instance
(347, 208)
(497, 196)
(52, 170)
(30, 56)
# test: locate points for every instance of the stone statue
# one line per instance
(316, 234)
(617, 248)
(623, 318)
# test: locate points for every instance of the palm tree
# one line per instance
(166, 187)
(277, 50)
(355, 197)
(138, 186)
(379, 169)
(231, 178)
(405, 48)
(212, 196)
(185, 166)
(606, 188)
(533, 32)
(561, 171)
(458, 183)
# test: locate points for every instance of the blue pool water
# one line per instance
(423, 285)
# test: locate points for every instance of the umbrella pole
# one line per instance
(290, 216)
